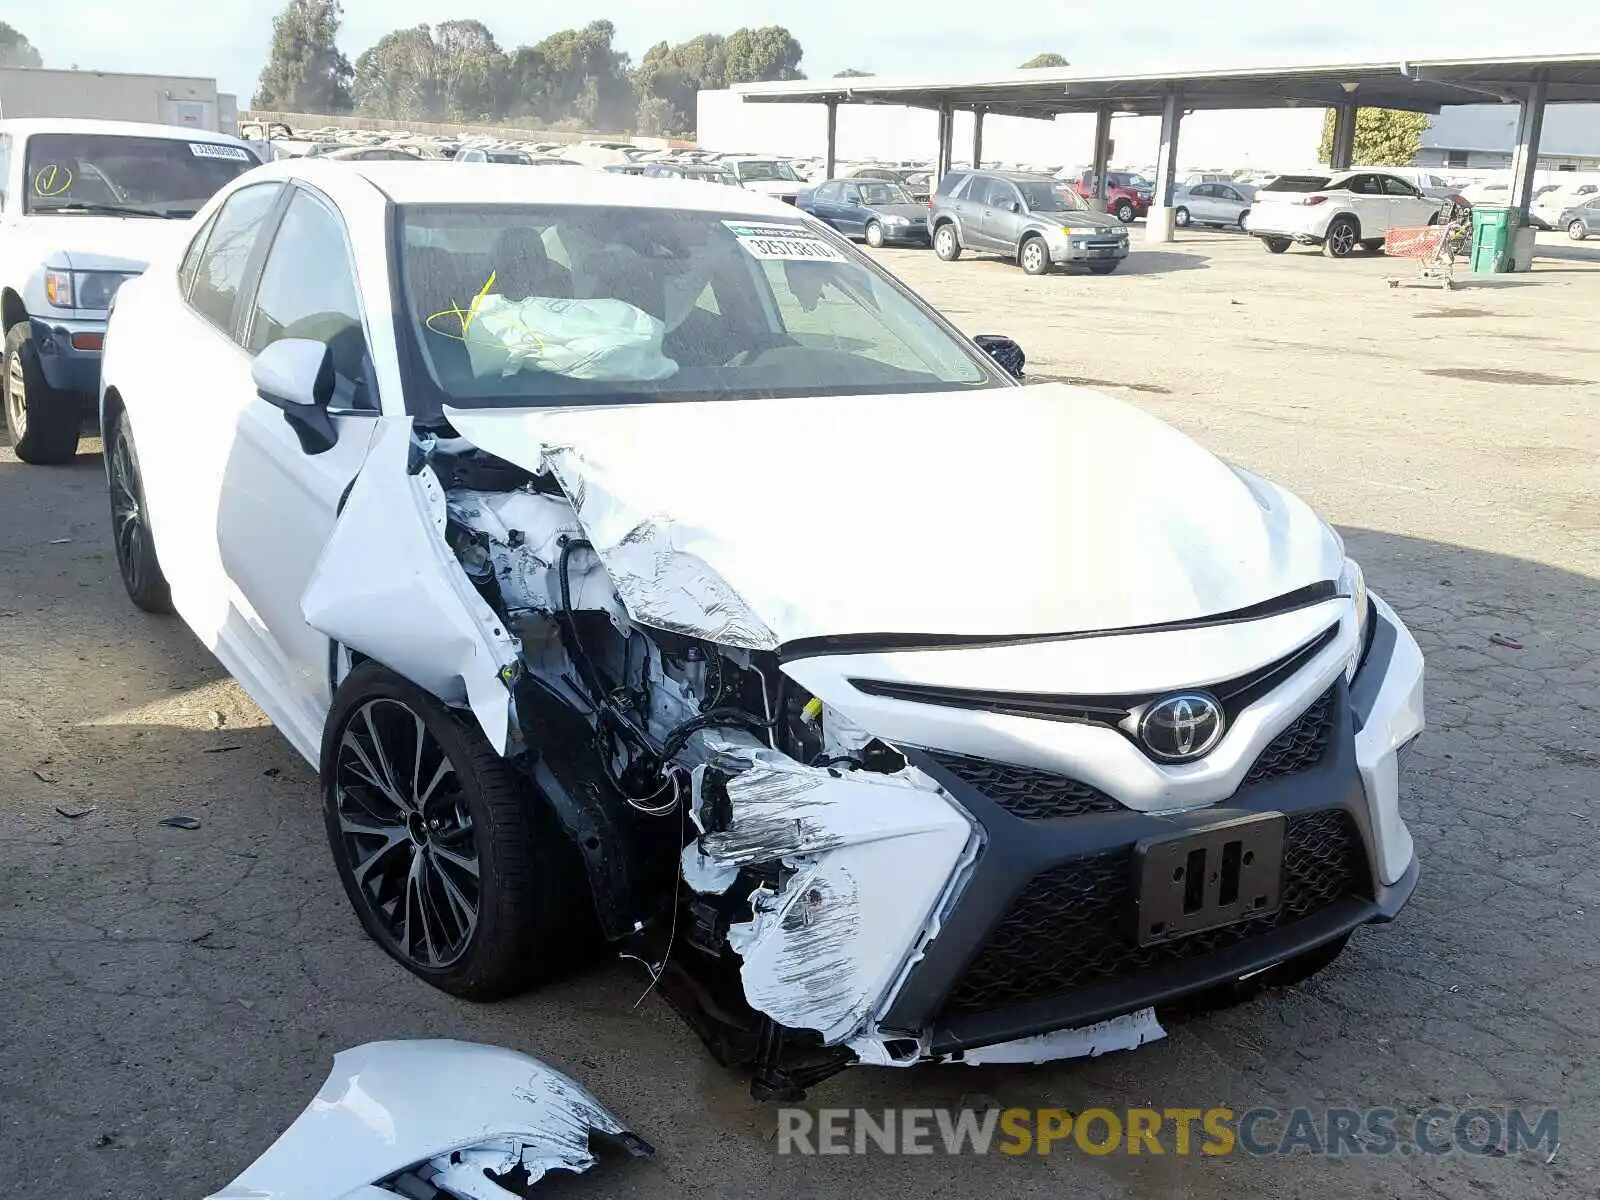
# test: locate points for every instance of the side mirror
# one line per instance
(1013, 206)
(296, 376)
(1004, 351)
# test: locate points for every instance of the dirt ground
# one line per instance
(171, 998)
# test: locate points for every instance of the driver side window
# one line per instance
(308, 290)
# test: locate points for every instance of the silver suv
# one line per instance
(1038, 221)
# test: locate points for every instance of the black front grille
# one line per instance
(1068, 928)
(1301, 745)
(1025, 792)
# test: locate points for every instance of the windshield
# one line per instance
(1050, 197)
(536, 305)
(1129, 180)
(884, 193)
(133, 176)
(761, 170)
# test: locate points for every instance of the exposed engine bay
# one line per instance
(771, 864)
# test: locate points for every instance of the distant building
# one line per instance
(108, 95)
(1483, 135)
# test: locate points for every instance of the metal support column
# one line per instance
(1343, 153)
(1102, 156)
(947, 132)
(1525, 158)
(977, 137)
(833, 138)
(1158, 225)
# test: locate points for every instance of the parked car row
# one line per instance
(1035, 220)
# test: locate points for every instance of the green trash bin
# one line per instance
(1491, 239)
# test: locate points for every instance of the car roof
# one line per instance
(1021, 176)
(28, 126)
(433, 182)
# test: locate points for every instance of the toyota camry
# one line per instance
(646, 570)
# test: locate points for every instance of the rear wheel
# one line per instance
(1275, 245)
(945, 243)
(1034, 256)
(130, 523)
(1576, 231)
(1341, 239)
(44, 422)
(874, 234)
(452, 861)
(1180, 217)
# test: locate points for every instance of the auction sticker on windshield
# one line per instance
(794, 243)
(217, 150)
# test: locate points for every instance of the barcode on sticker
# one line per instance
(793, 243)
(217, 150)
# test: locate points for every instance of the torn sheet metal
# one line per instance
(525, 532)
(1127, 1032)
(872, 857)
(388, 586)
(929, 513)
(390, 1107)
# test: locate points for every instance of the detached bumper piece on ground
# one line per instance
(434, 1120)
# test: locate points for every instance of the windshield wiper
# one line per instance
(115, 210)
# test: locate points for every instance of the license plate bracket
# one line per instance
(1203, 878)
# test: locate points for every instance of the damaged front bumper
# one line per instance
(433, 1118)
(913, 917)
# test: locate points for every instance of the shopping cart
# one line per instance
(1435, 247)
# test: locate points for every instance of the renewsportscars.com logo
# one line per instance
(1260, 1132)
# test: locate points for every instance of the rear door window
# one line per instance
(221, 266)
(1001, 194)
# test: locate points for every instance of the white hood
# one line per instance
(1034, 510)
(775, 187)
(87, 243)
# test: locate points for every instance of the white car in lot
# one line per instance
(1341, 212)
(83, 206)
(642, 566)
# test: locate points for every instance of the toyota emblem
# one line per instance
(1183, 727)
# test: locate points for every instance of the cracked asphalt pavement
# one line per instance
(172, 997)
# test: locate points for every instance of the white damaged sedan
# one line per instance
(642, 567)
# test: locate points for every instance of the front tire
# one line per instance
(945, 243)
(1342, 238)
(1242, 218)
(130, 523)
(1034, 256)
(1576, 231)
(452, 861)
(1124, 211)
(875, 235)
(1180, 218)
(1275, 245)
(1102, 268)
(43, 422)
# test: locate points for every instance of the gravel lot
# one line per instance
(172, 998)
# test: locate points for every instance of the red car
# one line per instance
(1127, 195)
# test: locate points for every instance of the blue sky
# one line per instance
(228, 38)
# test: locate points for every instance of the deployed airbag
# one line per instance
(605, 340)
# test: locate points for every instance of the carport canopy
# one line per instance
(1421, 85)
